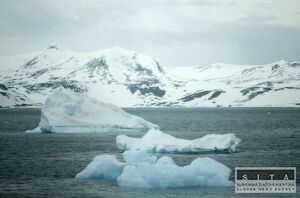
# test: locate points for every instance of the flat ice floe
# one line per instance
(158, 142)
(69, 112)
(142, 170)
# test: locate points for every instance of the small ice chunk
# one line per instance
(103, 167)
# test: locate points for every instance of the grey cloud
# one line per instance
(172, 31)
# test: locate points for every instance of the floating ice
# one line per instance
(145, 172)
(70, 112)
(136, 157)
(165, 173)
(158, 142)
(103, 167)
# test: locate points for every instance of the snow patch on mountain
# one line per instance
(13, 97)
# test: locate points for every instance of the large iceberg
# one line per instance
(70, 112)
(142, 170)
(158, 142)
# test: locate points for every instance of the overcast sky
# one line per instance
(175, 32)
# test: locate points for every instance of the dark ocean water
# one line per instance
(39, 165)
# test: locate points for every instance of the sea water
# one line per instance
(38, 165)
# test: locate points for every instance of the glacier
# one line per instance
(65, 111)
(156, 141)
(145, 171)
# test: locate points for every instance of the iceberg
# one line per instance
(145, 171)
(156, 141)
(66, 111)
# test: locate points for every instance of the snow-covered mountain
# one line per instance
(275, 84)
(127, 78)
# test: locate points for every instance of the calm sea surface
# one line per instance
(39, 165)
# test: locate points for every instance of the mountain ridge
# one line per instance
(130, 79)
